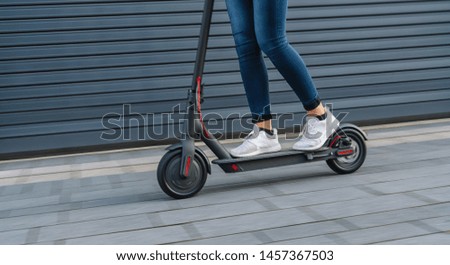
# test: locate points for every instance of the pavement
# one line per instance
(401, 195)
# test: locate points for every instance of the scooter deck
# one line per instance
(275, 159)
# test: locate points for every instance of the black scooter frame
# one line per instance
(194, 127)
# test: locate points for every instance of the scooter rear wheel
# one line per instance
(173, 183)
(351, 163)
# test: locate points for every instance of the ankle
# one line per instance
(321, 117)
(318, 111)
(265, 125)
(269, 132)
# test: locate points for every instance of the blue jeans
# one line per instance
(260, 25)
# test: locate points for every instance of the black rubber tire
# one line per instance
(341, 167)
(175, 185)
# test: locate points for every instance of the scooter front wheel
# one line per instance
(173, 183)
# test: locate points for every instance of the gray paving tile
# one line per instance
(399, 215)
(104, 183)
(219, 195)
(292, 232)
(432, 239)
(110, 211)
(63, 217)
(40, 189)
(42, 209)
(55, 161)
(56, 187)
(32, 235)
(42, 170)
(13, 173)
(383, 233)
(406, 171)
(93, 181)
(90, 228)
(251, 222)
(401, 130)
(440, 223)
(236, 239)
(331, 181)
(28, 221)
(71, 184)
(440, 208)
(191, 230)
(267, 204)
(11, 190)
(116, 181)
(441, 194)
(5, 214)
(27, 188)
(366, 206)
(210, 212)
(33, 191)
(15, 237)
(423, 198)
(270, 176)
(413, 155)
(155, 236)
(29, 203)
(119, 200)
(315, 240)
(396, 156)
(11, 165)
(419, 183)
(108, 193)
(318, 197)
(48, 243)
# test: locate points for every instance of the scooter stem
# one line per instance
(190, 130)
(202, 42)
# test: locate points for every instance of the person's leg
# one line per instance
(254, 75)
(270, 28)
(251, 63)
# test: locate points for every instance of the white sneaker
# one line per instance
(257, 142)
(316, 132)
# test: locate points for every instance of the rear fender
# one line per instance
(353, 127)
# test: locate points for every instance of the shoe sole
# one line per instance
(261, 151)
(308, 149)
(316, 147)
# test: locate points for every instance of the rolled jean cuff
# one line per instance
(261, 117)
(310, 105)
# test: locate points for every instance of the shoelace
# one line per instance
(312, 126)
(247, 141)
(246, 145)
(251, 135)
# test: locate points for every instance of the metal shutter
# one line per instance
(65, 64)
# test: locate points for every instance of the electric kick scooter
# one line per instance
(183, 170)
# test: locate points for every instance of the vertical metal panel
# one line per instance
(66, 64)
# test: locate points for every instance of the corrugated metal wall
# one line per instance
(65, 64)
